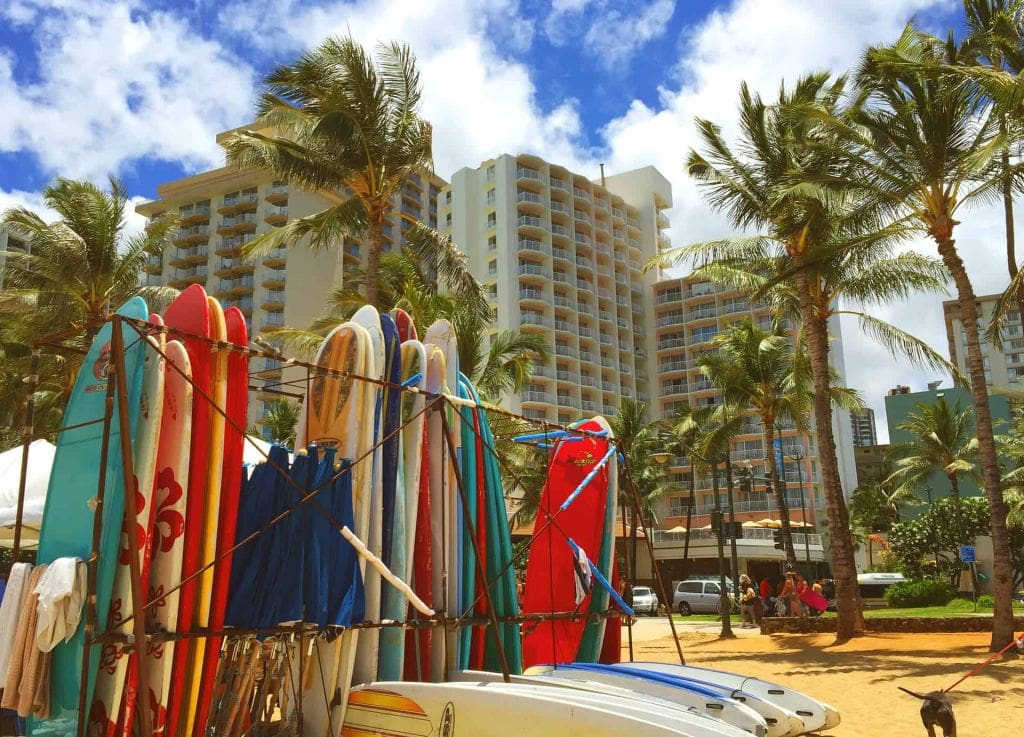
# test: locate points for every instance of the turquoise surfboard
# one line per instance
(68, 515)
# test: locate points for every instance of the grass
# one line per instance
(956, 608)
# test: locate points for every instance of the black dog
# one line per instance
(936, 711)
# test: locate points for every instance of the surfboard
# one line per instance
(404, 323)
(367, 652)
(499, 554)
(550, 570)
(69, 514)
(237, 404)
(114, 696)
(593, 634)
(512, 710)
(214, 476)
(439, 531)
(337, 408)
(816, 715)
(168, 542)
(190, 313)
(442, 335)
(475, 525)
(391, 647)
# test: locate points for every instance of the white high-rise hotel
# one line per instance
(563, 256)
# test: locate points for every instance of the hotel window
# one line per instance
(492, 243)
(491, 196)
(448, 220)
(492, 219)
(492, 268)
(490, 173)
(492, 291)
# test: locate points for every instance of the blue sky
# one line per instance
(139, 89)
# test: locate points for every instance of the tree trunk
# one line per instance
(848, 602)
(958, 510)
(734, 560)
(724, 606)
(689, 523)
(1011, 237)
(783, 503)
(373, 263)
(1002, 565)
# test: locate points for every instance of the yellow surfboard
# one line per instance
(219, 393)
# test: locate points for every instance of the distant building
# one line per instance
(1004, 366)
(899, 406)
(561, 256)
(8, 243)
(862, 422)
(870, 463)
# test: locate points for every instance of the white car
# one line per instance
(645, 601)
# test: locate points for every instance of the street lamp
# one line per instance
(799, 458)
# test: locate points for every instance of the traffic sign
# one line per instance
(967, 554)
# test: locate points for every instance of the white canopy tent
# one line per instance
(40, 461)
(37, 481)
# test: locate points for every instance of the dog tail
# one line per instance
(912, 693)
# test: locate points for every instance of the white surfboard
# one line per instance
(815, 714)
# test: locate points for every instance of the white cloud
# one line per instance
(763, 42)
(117, 84)
(480, 99)
(612, 32)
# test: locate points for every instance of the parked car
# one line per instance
(695, 596)
(645, 601)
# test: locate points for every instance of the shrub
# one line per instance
(925, 592)
(964, 604)
(986, 601)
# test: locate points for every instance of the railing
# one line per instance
(534, 396)
(557, 229)
(525, 196)
(531, 318)
(559, 184)
(274, 319)
(529, 220)
(523, 172)
(753, 534)
(670, 389)
(531, 269)
(275, 296)
(529, 244)
(673, 295)
(531, 294)
(560, 253)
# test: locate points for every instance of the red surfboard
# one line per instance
(477, 641)
(404, 323)
(611, 647)
(418, 641)
(231, 485)
(190, 313)
(550, 570)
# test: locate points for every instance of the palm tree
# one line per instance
(942, 440)
(924, 150)
(74, 272)
(431, 280)
(340, 120)
(817, 245)
(995, 40)
(281, 418)
(638, 440)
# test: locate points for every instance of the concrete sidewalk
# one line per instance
(648, 629)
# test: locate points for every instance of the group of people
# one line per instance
(793, 596)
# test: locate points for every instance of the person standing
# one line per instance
(765, 590)
(748, 603)
(787, 594)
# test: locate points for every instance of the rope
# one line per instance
(1018, 642)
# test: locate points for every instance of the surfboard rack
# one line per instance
(299, 635)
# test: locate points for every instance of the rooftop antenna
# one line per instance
(602, 174)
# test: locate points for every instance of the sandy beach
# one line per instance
(860, 677)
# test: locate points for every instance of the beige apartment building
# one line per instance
(562, 255)
(219, 211)
(8, 243)
(1004, 367)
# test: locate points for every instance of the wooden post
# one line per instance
(481, 570)
(654, 563)
(30, 412)
(117, 350)
(93, 562)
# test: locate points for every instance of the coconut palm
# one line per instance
(942, 440)
(340, 120)
(638, 440)
(74, 272)
(816, 245)
(281, 419)
(995, 41)
(925, 151)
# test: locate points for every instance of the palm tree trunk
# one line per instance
(773, 472)
(689, 523)
(958, 510)
(373, 262)
(1011, 237)
(844, 568)
(1002, 565)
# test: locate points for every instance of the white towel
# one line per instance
(61, 593)
(10, 610)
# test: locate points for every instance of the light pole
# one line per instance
(724, 604)
(799, 458)
(935, 552)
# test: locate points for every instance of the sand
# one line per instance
(860, 677)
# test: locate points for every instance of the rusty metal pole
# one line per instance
(93, 562)
(117, 351)
(481, 571)
(30, 414)
(654, 561)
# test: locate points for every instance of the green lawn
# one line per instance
(958, 608)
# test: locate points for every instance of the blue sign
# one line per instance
(778, 458)
(967, 554)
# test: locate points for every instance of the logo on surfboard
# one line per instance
(101, 370)
(586, 459)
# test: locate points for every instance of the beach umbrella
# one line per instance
(37, 480)
(751, 523)
(677, 528)
(796, 523)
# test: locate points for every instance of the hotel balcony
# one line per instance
(180, 278)
(276, 257)
(274, 278)
(274, 301)
(237, 224)
(227, 267)
(153, 264)
(192, 234)
(278, 193)
(194, 214)
(272, 321)
(239, 285)
(276, 215)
